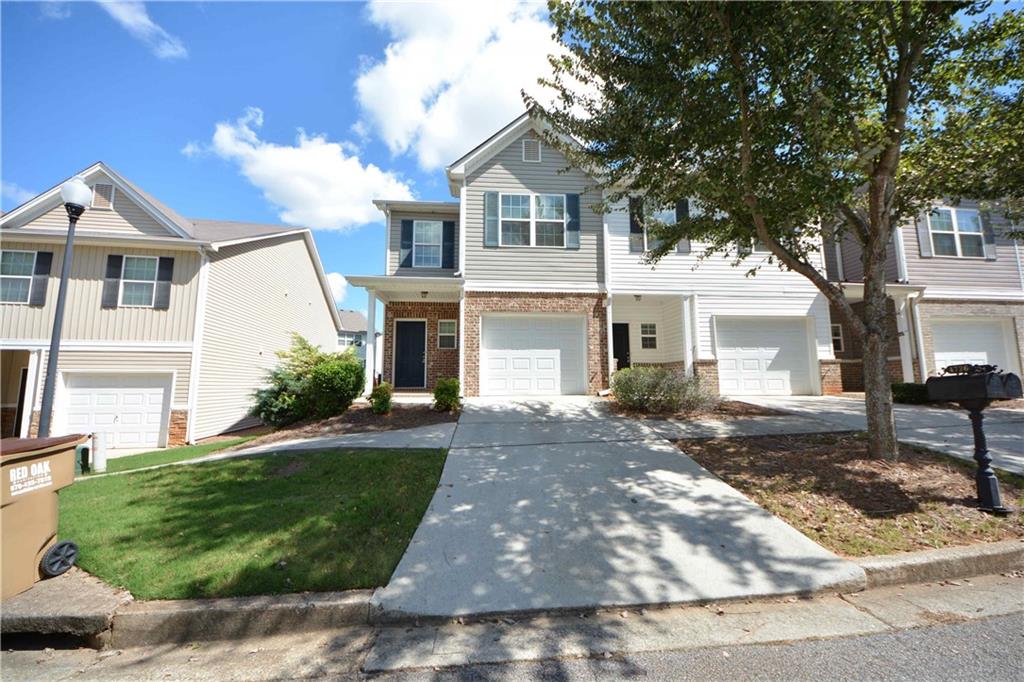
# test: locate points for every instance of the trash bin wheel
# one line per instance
(59, 558)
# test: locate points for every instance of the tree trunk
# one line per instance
(878, 397)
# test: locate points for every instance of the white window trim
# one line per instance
(439, 245)
(454, 335)
(30, 278)
(533, 219)
(351, 339)
(113, 191)
(955, 232)
(649, 336)
(838, 337)
(540, 150)
(156, 277)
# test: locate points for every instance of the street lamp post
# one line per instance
(77, 196)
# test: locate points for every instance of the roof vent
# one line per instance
(103, 196)
(531, 151)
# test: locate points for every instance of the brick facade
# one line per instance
(441, 362)
(7, 425)
(706, 372)
(831, 376)
(591, 305)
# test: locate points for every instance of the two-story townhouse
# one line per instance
(524, 287)
(957, 285)
(170, 324)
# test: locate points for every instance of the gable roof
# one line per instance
(352, 321)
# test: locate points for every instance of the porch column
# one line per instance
(695, 326)
(688, 335)
(608, 331)
(371, 338)
(903, 328)
(28, 404)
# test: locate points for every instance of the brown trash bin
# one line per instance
(34, 469)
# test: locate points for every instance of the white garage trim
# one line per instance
(579, 322)
(807, 349)
(63, 395)
(1010, 361)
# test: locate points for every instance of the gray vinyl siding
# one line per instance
(258, 295)
(965, 273)
(395, 244)
(853, 268)
(506, 172)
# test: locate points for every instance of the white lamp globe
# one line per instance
(76, 192)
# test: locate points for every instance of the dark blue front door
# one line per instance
(410, 354)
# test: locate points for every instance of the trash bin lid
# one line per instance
(13, 449)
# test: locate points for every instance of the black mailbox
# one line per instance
(973, 387)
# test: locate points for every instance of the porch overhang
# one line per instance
(854, 291)
(411, 288)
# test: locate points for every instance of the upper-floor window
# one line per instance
(103, 196)
(667, 216)
(16, 269)
(531, 150)
(426, 243)
(346, 339)
(138, 281)
(956, 232)
(532, 220)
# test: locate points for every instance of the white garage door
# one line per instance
(129, 409)
(533, 356)
(763, 356)
(967, 341)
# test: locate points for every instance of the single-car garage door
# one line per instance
(130, 409)
(972, 341)
(533, 355)
(763, 356)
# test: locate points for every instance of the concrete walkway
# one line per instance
(938, 428)
(557, 504)
(433, 436)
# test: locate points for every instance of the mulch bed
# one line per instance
(827, 487)
(358, 418)
(724, 409)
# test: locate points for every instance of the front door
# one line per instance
(410, 354)
(620, 344)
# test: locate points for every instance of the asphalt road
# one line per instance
(991, 650)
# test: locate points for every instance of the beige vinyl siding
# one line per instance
(122, 362)
(126, 218)
(507, 172)
(258, 295)
(11, 364)
(965, 273)
(85, 319)
(395, 244)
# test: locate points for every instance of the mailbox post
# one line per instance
(974, 387)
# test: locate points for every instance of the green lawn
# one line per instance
(331, 520)
(148, 459)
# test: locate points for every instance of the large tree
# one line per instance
(789, 122)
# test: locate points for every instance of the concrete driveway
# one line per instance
(938, 428)
(556, 504)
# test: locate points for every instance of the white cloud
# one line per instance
(316, 183)
(193, 149)
(133, 17)
(16, 193)
(339, 286)
(452, 74)
(52, 9)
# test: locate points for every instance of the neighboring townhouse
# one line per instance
(353, 332)
(522, 288)
(957, 284)
(171, 323)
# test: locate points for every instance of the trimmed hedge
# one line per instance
(653, 389)
(446, 395)
(380, 398)
(910, 394)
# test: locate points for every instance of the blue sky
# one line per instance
(299, 113)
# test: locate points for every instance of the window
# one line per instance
(531, 151)
(648, 335)
(550, 228)
(956, 232)
(103, 196)
(346, 339)
(446, 334)
(666, 215)
(426, 243)
(515, 220)
(138, 281)
(837, 338)
(16, 268)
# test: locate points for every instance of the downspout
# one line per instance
(901, 255)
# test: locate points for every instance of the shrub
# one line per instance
(332, 386)
(911, 394)
(446, 395)
(278, 403)
(655, 390)
(380, 398)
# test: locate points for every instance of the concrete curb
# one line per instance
(148, 623)
(941, 564)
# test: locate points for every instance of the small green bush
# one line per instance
(380, 398)
(653, 389)
(446, 395)
(333, 385)
(279, 404)
(910, 394)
